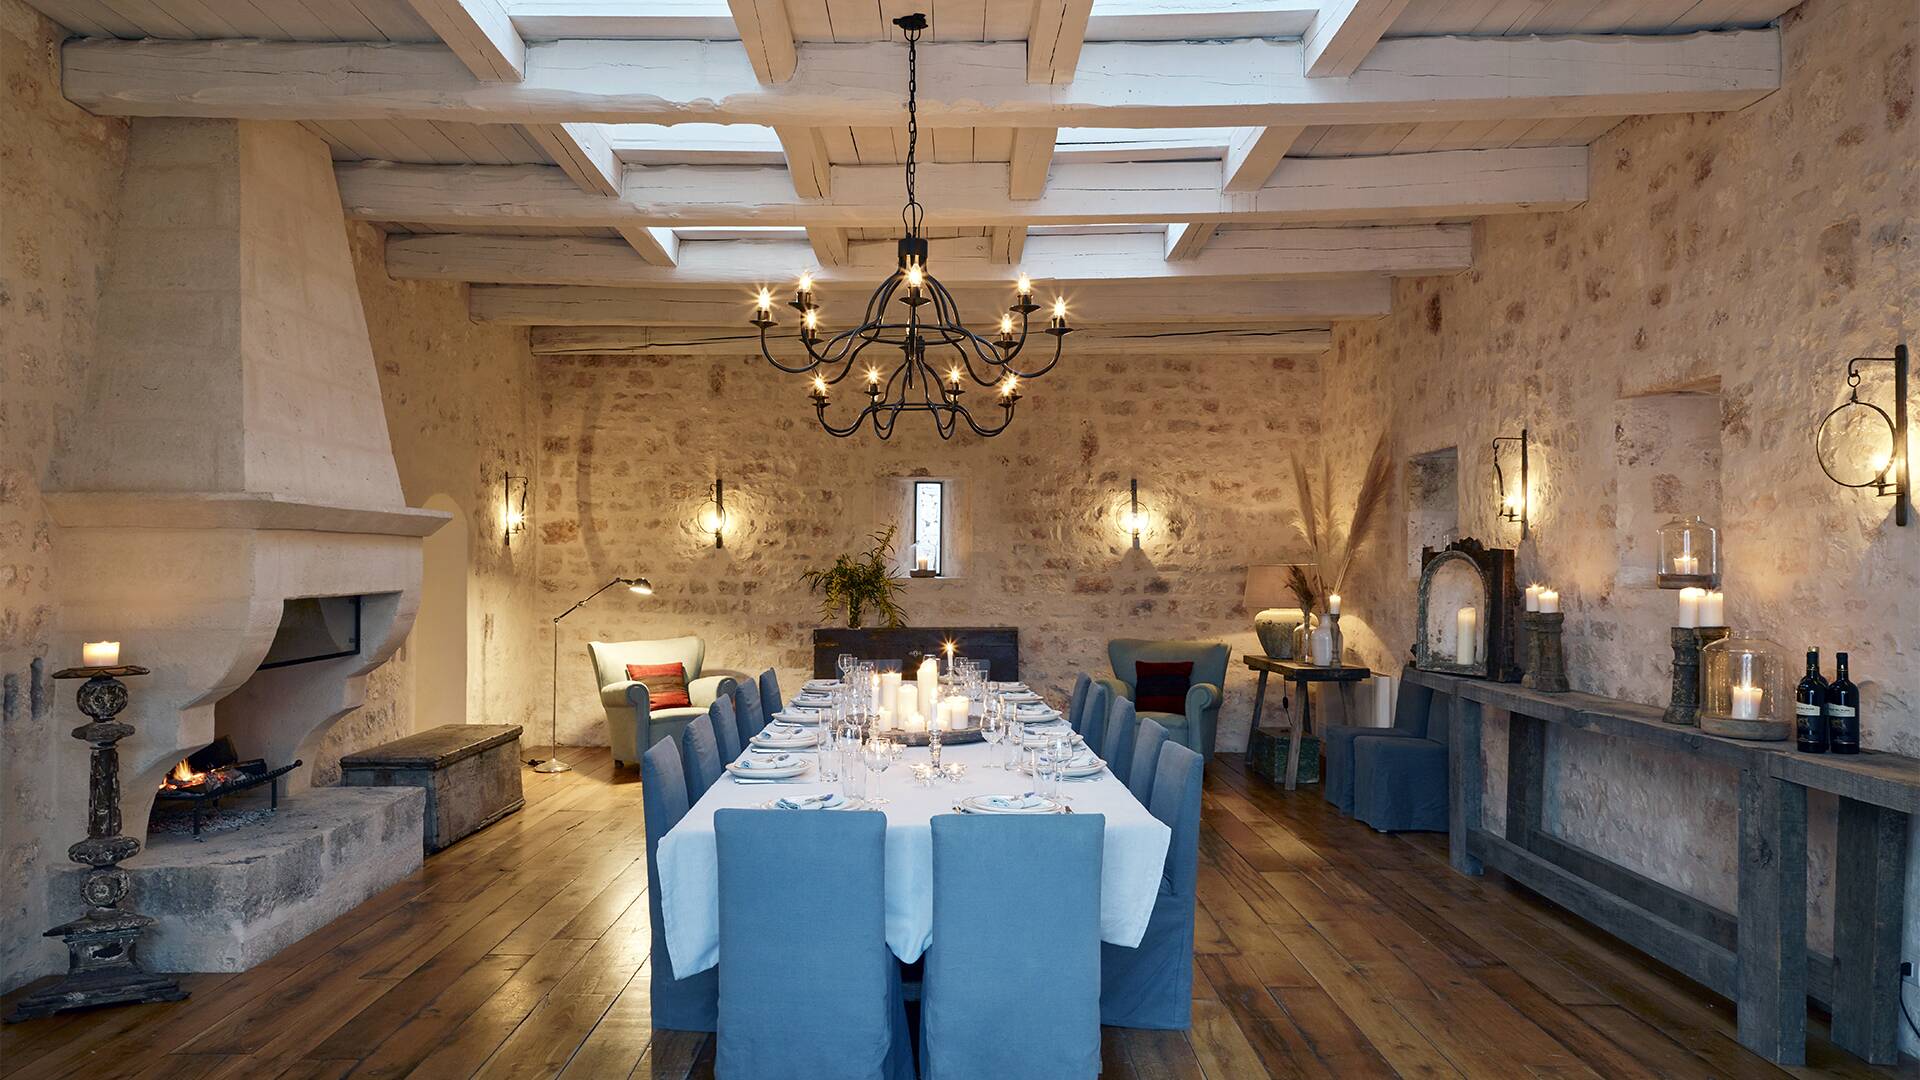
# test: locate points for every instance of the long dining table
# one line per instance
(1132, 863)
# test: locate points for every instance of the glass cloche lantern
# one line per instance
(1689, 554)
(1743, 680)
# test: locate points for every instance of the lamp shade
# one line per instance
(1267, 586)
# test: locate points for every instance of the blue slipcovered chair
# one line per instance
(1400, 784)
(1093, 715)
(1151, 986)
(978, 1018)
(819, 996)
(1336, 742)
(770, 700)
(1193, 727)
(633, 724)
(1081, 684)
(726, 727)
(700, 757)
(692, 1003)
(746, 709)
(1146, 759)
(1116, 742)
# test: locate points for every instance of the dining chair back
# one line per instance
(1151, 985)
(726, 727)
(808, 987)
(770, 700)
(1081, 683)
(1116, 743)
(987, 973)
(700, 755)
(1146, 759)
(746, 709)
(1093, 715)
(692, 1003)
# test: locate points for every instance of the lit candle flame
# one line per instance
(1059, 307)
(873, 375)
(813, 318)
(765, 300)
(1006, 325)
(820, 386)
(915, 276)
(1009, 386)
(1024, 286)
(806, 282)
(953, 375)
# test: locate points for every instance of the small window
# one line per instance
(929, 518)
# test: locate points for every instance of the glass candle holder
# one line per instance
(1742, 688)
(1689, 554)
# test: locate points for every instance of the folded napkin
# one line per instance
(1012, 802)
(826, 801)
(761, 759)
(785, 740)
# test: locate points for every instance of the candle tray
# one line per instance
(1756, 730)
(947, 738)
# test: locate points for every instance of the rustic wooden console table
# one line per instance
(1756, 955)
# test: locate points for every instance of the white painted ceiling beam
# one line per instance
(1245, 255)
(1164, 302)
(1009, 244)
(1054, 39)
(1169, 339)
(1344, 32)
(1250, 83)
(1032, 157)
(767, 37)
(1410, 187)
(480, 34)
(1185, 241)
(1253, 155)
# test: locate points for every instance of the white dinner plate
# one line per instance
(1009, 804)
(799, 740)
(1084, 765)
(746, 770)
(804, 717)
(831, 800)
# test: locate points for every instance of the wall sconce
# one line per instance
(1133, 521)
(1513, 504)
(714, 519)
(513, 506)
(1837, 444)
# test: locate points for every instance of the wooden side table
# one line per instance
(1343, 675)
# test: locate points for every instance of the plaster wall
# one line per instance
(631, 447)
(1744, 256)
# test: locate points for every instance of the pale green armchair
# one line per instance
(633, 724)
(1193, 727)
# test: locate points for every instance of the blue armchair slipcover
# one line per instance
(632, 722)
(1393, 778)
(1194, 727)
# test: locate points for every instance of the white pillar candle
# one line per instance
(1533, 597)
(890, 692)
(1689, 607)
(883, 719)
(916, 722)
(1713, 608)
(1549, 601)
(1333, 603)
(929, 679)
(922, 561)
(1746, 703)
(100, 654)
(1467, 629)
(954, 712)
(907, 699)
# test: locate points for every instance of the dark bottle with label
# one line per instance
(1810, 708)
(1843, 710)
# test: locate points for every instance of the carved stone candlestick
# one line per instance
(1684, 709)
(101, 969)
(1337, 648)
(1546, 662)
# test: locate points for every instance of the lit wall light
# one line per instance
(1860, 446)
(1133, 521)
(513, 506)
(714, 518)
(1515, 502)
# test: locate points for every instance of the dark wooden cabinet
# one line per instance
(999, 646)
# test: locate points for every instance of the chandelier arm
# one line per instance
(990, 432)
(1059, 345)
(771, 359)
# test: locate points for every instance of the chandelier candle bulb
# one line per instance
(100, 654)
(1024, 287)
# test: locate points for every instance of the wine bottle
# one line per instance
(1810, 708)
(1843, 710)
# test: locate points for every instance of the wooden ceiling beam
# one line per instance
(1343, 33)
(1054, 39)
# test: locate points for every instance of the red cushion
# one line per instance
(1161, 687)
(666, 684)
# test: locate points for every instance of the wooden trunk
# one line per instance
(471, 773)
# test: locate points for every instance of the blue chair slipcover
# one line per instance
(1151, 986)
(1146, 759)
(1194, 726)
(746, 709)
(1336, 742)
(1401, 784)
(1116, 742)
(726, 728)
(1081, 683)
(1093, 715)
(700, 757)
(692, 1003)
(770, 700)
(808, 988)
(1013, 994)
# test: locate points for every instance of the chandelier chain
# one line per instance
(913, 214)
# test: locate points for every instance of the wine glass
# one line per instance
(992, 730)
(877, 752)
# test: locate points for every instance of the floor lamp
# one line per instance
(553, 764)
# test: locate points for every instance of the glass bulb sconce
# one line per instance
(1860, 446)
(714, 518)
(1133, 521)
(1514, 502)
(513, 506)
(1689, 554)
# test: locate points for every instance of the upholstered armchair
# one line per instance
(632, 722)
(1194, 726)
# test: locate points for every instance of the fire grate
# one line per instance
(202, 779)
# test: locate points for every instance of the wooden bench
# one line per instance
(471, 773)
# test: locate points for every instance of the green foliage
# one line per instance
(859, 583)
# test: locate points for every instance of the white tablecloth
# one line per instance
(1131, 866)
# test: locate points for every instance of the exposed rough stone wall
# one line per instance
(632, 445)
(59, 174)
(1747, 256)
(462, 402)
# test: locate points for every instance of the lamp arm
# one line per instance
(583, 601)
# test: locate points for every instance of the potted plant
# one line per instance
(859, 584)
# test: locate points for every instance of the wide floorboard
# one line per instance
(1323, 949)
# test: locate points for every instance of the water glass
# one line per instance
(1046, 771)
(991, 729)
(827, 751)
(853, 778)
(877, 754)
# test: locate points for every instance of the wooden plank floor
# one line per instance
(1323, 949)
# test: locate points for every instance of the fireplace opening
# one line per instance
(200, 786)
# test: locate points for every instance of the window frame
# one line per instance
(939, 561)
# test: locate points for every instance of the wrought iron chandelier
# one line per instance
(927, 327)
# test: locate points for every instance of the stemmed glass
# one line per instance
(993, 729)
(877, 752)
(845, 663)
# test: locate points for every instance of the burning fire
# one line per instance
(182, 776)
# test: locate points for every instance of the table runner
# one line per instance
(1132, 864)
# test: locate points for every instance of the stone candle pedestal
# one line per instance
(101, 969)
(1684, 709)
(1546, 661)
